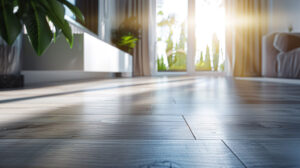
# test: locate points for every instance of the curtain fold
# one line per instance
(141, 54)
(141, 60)
(246, 25)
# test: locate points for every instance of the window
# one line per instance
(172, 41)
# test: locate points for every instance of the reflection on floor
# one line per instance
(178, 122)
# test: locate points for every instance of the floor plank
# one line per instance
(96, 127)
(152, 122)
(267, 153)
(115, 154)
(244, 127)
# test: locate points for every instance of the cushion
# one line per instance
(285, 42)
(288, 64)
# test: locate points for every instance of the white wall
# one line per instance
(284, 13)
(102, 57)
(89, 54)
(38, 77)
(90, 58)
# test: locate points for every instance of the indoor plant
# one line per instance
(127, 35)
(43, 21)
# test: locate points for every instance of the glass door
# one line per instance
(171, 35)
(190, 36)
(210, 35)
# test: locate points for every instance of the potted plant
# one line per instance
(43, 20)
(127, 35)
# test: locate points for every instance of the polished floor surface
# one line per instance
(161, 122)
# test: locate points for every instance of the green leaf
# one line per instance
(15, 3)
(10, 25)
(74, 9)
(56, 13)
(37, 28)
(56, 33)
(23, 6)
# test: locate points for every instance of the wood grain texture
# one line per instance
(244, 127)
(267, 153)
(151, 122)
(97, 127)
(115, 154)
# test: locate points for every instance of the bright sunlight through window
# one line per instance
(172, 40)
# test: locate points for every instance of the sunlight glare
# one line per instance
(210, 19)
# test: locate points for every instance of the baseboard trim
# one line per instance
(41, 77)
(274, 80)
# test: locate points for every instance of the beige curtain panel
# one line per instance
(139, 9)
(141, 60)
(246, 25)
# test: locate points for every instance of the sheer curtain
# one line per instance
(246, 24)
(142, 9)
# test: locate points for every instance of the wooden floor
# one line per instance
(174, 122)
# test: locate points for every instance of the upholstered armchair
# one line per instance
(281, 55)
